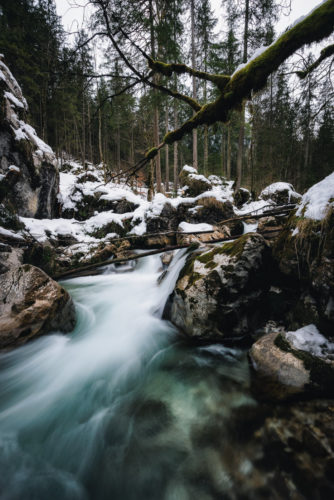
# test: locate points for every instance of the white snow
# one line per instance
(31, 134)
(14, 168)
(254, 206)
(11, 234)
(250, 228)
(199, 177)
(19, 134)
(40, 228)
(316, 201)
(14, 100)
(186, 227)
(189, 169)
(255, 54)
(308, 338)
(278, 187)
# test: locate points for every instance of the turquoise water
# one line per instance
(121, 408)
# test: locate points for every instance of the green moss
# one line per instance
(41, 256)
(321, 373)
(254, 75)
(235, 248)
(151, 153)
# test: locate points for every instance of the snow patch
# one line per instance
(316, 201)
(309, 339)
(14, 168)
(189, 169)
(186, 227)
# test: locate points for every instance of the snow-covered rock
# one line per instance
(281, 193)
(318, 199)
(29, 176)
(296, 362)
(192, 182)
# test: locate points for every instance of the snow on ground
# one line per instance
(71, 191)
(10, 234)
(308, 338)
(42, 229)
(186, 227)
(318, 199)
(254, 206)
(77, 183)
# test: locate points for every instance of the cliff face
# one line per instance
(29, 179)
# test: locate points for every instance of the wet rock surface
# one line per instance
(32, 304)
(219, 291)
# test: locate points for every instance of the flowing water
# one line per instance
(122, 408)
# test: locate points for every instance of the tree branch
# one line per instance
(324, 54)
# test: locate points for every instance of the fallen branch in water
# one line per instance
(74, 271)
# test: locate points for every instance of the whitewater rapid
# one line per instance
(109, 410)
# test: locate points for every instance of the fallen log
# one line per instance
(282, 210)
(72, 272)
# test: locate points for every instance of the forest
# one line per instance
(84, 100)
(166, 250)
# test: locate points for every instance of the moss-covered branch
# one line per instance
(250, 78)
(253, 76)
(324, 54)
(168, 69)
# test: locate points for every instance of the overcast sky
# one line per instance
(74, 16)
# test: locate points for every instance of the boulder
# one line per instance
(219, 291)
(167, 220)
(193, 183)
(29, 178)
(241, 196)
(294, 362)
(32, 304)
(280, 193)
(304, 252)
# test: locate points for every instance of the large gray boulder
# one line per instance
(32, 304)
(294, 362)
(219, 291)
(29, 179)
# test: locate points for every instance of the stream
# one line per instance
(122, 408)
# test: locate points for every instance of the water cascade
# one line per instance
(122, 408)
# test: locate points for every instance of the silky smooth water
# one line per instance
(121, 408)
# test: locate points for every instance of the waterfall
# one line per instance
(108, 411)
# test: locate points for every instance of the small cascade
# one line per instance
(117, 408)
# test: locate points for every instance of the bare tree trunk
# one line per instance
(90, 134)
(118, 147)
(240, 148)
(206, 149)
(193, 62)
(83, 131)
(229, 151)
(242, 114)
(175, 165)
(222, 151)
(100, 143)
(167, 150)
(150, 191)
(156, 110)
(156, 143)
(132, 148)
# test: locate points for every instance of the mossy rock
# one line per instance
(9, 219)
(43, 256)
(196, 184)
(218, 292)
